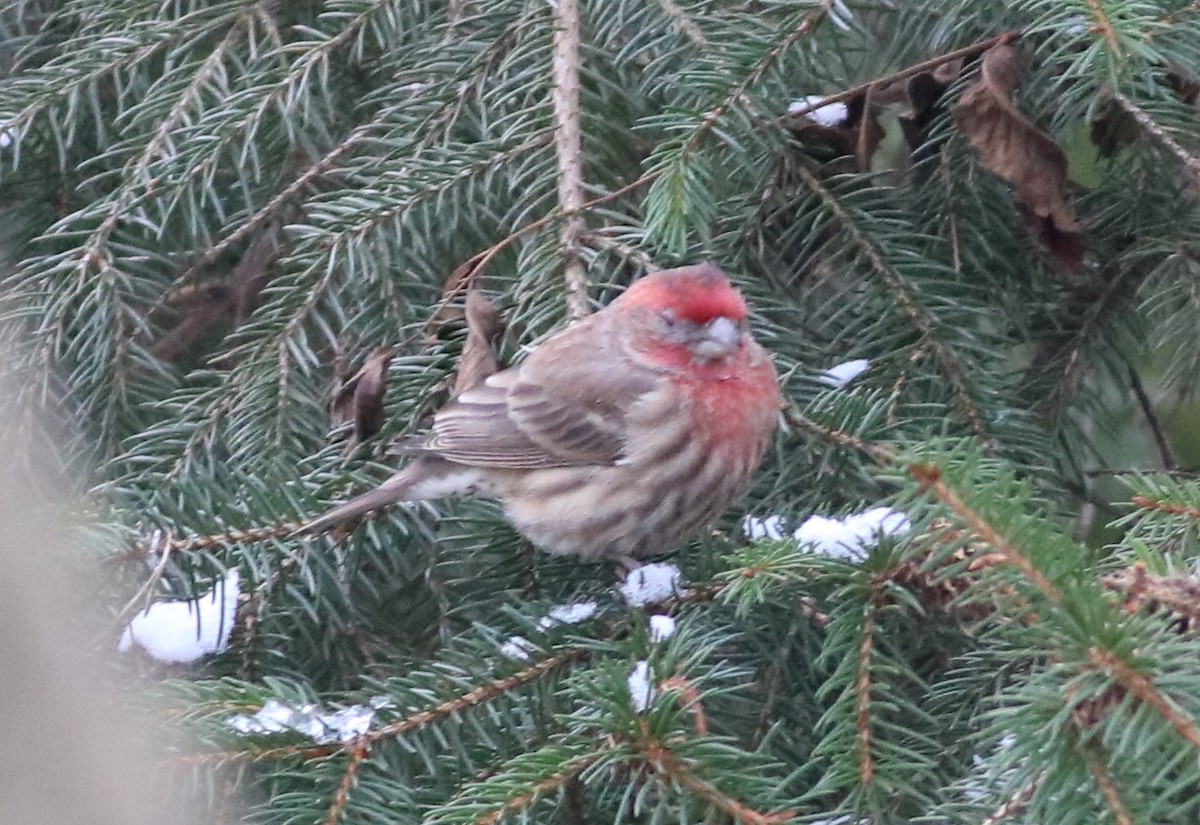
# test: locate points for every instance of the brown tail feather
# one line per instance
(392, 491)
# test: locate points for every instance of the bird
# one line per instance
(617, 438)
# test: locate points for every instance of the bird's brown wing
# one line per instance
(564, 406)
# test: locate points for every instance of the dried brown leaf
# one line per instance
(1019, 152)
(484, 327)
(360, 399)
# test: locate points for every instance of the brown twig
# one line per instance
(929, 477)
(568, 142)
(862, 685)
(1104, 25)
(539, 790)
(1142, 688)
(1108, 788)
(1012, 806)
(689, 700)
(666, 764)
(1147, 503)
(340, 799)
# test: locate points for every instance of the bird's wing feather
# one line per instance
(564, 406)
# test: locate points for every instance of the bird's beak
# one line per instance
(721, 338)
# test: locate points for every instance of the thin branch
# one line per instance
(1148, 125)
(862, 685)
(568, 142)
(905, 73)
(1108, 788)
(1012, 806)
(929, 477)
(1160, 436)
(1147, 503)
(666, 764)
(1104, 25)
(349, 780)
(539, 790)
(1142, 688)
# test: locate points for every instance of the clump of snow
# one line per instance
(757, 529)
(322, 726)
(518, 648)
(844, 538)
(839, 375)
(7, 136)
(661, 628)
(651, 583)
(641, 686)
(852, 536)
(568, 614)
(828, 115)
(184, 631)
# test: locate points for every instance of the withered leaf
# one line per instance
(1017, 151)
(360, 399)
(484, 327)
(923, 96)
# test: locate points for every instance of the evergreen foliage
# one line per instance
(214, 211)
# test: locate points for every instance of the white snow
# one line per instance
(517, 647)
(852, 536)
(840, 375)
(661, 628)
(757, 529)
(184, 631)
(568, 614)
(641, 686)
(7, 136)
(842, 538)
(651, 583)
(830, 115)
(324, 727)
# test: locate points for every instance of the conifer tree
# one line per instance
(237, 243)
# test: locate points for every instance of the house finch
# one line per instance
(616, 438)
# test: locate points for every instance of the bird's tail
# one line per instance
(393, 490)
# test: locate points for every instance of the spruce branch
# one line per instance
(1148, 503)
(1104, 25)
(862, 683)
(929, 477)
(438, 713)
(1142, 688)
(1108, 788)
(673, 769)
(1012, 806)
(568, 141)
(358, 755)
(540, 790)
(1156, 132)
(918, 315)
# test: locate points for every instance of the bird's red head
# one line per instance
(697, 294)
(686, 316)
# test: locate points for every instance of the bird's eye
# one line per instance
(669, 317)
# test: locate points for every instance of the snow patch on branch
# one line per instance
(652, 583)
(324, 727)
(829, 115)
(184, 631)
(841, 538)
(641, 686)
